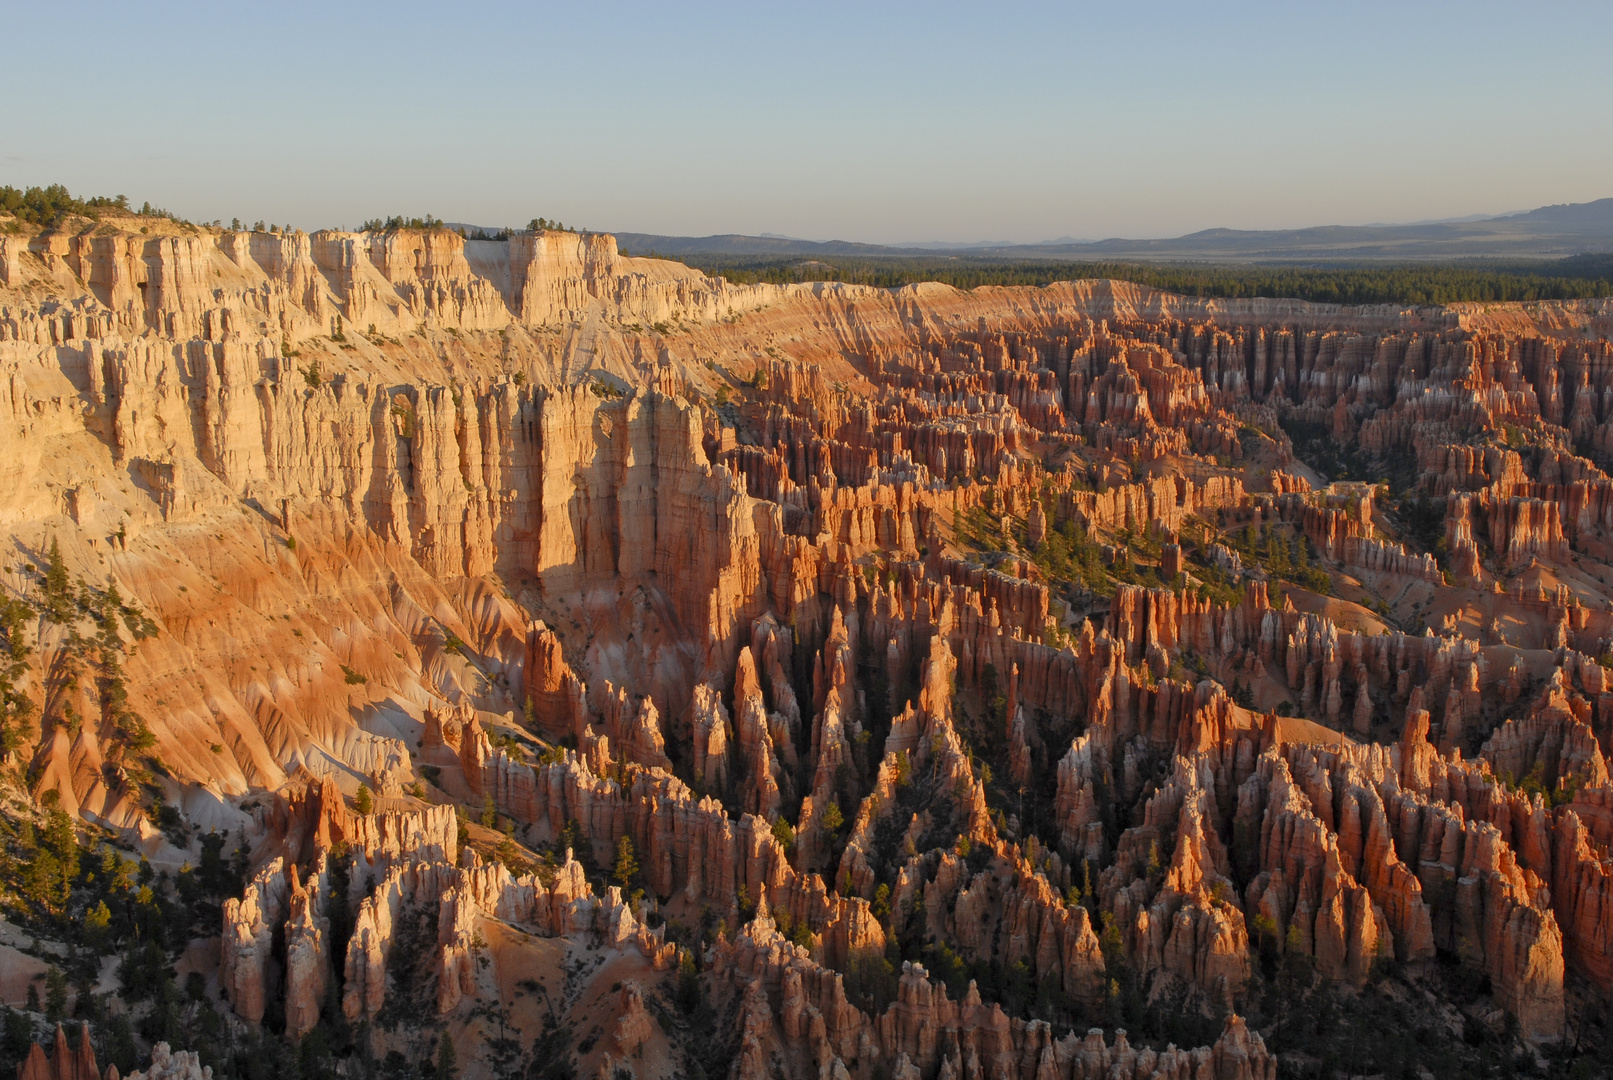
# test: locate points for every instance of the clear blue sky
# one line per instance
(876, 122)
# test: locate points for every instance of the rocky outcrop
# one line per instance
(634, 1024)
(1306, 898)
(169, 1064)
(709, 735)
(63, 1063)
(922, 1031)
(634, 728)
(307, 952)
(1551, 743)
(414, 861)
(556, 695)
(246, 966)
(765, 778)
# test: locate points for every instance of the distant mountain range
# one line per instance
(1546, 232)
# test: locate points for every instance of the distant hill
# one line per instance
(1591, 218)
(1545, 232)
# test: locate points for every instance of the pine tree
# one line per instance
(97, 926)
(15, 704)
(16, 1034)
(55, 994)
(833, 818)
(58, 590)
(626, 862)
(363, 803)
(1277, 553)
(50, 859)
(447, 1059)
(783, 833)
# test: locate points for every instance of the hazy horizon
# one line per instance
(900, 125)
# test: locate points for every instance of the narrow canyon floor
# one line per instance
(439, 658)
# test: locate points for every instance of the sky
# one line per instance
(883, 123)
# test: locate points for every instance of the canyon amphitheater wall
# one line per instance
(931, 651)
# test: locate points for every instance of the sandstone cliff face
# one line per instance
(387, 282)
